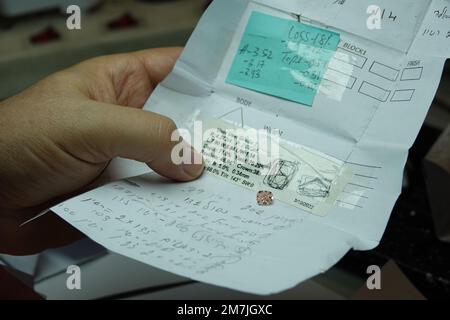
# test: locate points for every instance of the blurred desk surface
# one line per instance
(118, 277)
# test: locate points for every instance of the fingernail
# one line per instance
(196, 167)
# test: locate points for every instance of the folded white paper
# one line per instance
(366, 113)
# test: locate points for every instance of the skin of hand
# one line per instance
(59, 135)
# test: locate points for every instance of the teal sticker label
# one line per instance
(283, 58)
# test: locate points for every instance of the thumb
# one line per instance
(143, 136)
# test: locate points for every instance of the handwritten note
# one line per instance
(283, 58)
(185, 229)
(433, 38)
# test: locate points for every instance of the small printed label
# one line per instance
(295, 174)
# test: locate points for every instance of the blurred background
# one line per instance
(35, 41)
(415, 250)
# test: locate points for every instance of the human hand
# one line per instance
(59, 135)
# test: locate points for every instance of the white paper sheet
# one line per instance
(367, 113)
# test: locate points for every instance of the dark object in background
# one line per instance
(394, 285)
(49, 34)
(13, 289)
(123, 22)
(437, 178)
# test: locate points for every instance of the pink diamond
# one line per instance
(264, 198)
